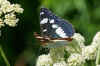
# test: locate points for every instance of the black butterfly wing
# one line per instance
(53, 26)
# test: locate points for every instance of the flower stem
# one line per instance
(4, 57)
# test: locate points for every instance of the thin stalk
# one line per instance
(4, 57)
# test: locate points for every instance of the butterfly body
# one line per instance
(53, 27)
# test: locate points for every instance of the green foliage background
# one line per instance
(19, 42)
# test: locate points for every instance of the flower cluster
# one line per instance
(78, 52)
(44, 60)
(88, 52)
(62, 63)
(75, 59)
(8, 13)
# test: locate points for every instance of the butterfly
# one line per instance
(53, 28)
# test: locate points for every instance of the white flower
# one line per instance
(2, 1)
(11, 23)
(8, 13)
(17, 8)
(76, 44)
(44, 60)
(89, 52)
(79, 38)
(75, 60)
(11, 20)
(73, 47)
(96, 39)
(62, 63)
(6, 7)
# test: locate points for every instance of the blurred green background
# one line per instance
(19, 44)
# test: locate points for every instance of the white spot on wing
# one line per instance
(54, 26)
(45, 20)
(61, 33)
(41, 13)
(44, 30)
(52, 21)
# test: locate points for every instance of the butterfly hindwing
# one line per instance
(53, 26)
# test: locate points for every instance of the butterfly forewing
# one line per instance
(53, 26)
